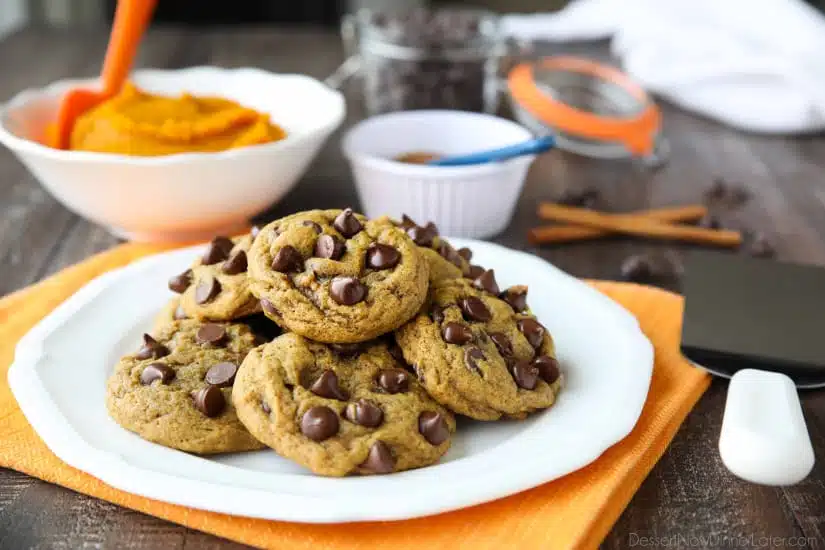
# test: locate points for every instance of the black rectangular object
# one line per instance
(743, 312)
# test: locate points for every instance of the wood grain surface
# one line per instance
(688, 501)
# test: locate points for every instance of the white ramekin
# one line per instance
(463, 201)
(182, 196)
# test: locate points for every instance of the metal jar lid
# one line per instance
(593, 109)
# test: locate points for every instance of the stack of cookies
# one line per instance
(344, 344)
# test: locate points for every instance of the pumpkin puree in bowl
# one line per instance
(137, 123)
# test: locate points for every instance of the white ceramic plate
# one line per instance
(61, 366)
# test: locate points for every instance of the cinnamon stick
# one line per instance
(567, 233)
(641, 227)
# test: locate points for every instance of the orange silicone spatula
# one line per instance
(130, 22)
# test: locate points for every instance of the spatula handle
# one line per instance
(131, 19)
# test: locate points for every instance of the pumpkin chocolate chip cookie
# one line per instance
(340, 410)
(333, 276)
(175, 390)
(216, 287)
(480, 351)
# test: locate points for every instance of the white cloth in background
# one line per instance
(757, 65)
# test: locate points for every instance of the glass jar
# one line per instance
(444, 58)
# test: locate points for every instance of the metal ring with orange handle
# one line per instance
(636, 129)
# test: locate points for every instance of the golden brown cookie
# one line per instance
(176, 389)
(340, 409)
(216, 287)
(333, 276)
(171, 313)
(481, 352)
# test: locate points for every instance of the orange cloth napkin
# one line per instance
(574, 512)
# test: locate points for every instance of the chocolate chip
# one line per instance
(265, 407)
(487, 281)
(209, 401)
(548, 368)
(738, 195)
(437, 314)
(222, 374)
(263, 327)
(269, 308)
(761, 247)
(450, 254)
(474, 309)
(532, 330)
(394, 380)
(327, 386)
(471, 357)
(433, 426)
(347, 291)
(329, 247)
(638, 269)
(465, 253)
(347, 350)
(157, 371)
(585, 198)
(730, 195)
(346, 223)
(179, 283)
(423, 236)
(503, 344)
(382, 256)
(396, 353)
(716, 191)
(474, 272)
(180, 314)
(516, 297)
(407, 222)
(151, 349)
(525, 375)
(287, 259)
(236, 263)
(456, 333)
(379, 460)
(207, 289)
(313, 225)
(364, 413)
(211, 333)
(319, 423)
(217, 251)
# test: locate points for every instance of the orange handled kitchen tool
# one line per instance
(591, 108)
(131, 19)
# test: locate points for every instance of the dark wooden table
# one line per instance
(689, 500)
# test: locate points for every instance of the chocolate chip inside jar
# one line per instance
(448, 68)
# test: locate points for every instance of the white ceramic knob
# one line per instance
(764, 438)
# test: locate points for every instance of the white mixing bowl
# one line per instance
(183, 196)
